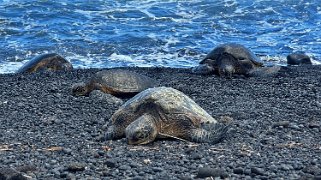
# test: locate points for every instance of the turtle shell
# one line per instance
(122, 82)
(42, 62)
(239, 52)
(166, 105)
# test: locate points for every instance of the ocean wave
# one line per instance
(154, 33)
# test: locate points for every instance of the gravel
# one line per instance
(275, 133)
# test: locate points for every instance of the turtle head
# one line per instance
(142, 131)
(227, 64)
(80, 89)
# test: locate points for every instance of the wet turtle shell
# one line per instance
(46, 62)
(161, 112)
(117, 82)
(238, 51)
(228, 59)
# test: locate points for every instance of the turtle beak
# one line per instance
(129, 142)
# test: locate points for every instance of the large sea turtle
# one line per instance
(228, 59)
(117, 82)
(46, 62)
(163, 112)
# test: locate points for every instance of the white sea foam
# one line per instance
(229, 3)
(119, 58)
(10, 67)
(156, 59)
(315, 62)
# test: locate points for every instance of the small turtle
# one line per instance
(229, 59)
(46, 62)
(298, 59)
(163, 112)
(117, 82)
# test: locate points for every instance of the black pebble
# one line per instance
(238, 171)
(157, 169)
(67, 151)
(76, 167)
(110, 163)
(210, 172)
(257, 171)
(196, 156)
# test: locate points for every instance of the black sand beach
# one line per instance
(276, 133)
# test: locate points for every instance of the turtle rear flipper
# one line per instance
(162, 135)
(213, 133)
(264, 71)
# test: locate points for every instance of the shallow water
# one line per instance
(94, 34)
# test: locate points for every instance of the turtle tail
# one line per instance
(211, 133)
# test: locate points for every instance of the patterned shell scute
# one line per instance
(237, 50)
(170, 101)
(43, 60)
(123, 80)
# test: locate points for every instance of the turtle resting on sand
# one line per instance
(229, 59)
(46, 62)
(116, 82)
(163, 112)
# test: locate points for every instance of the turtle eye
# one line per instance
(241, 58)
(77, 89)
(140, 135)
(80, 89)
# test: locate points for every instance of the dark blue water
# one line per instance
(155, 33)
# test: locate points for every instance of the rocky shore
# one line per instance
(46, 133)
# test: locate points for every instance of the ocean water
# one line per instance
(167, 33)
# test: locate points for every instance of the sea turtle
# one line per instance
(162, 112)
(46, 62)
(117, 82)
(298, 59)
(228, 59)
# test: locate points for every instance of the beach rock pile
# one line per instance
(275, 132)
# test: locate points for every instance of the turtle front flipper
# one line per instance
(213, 134)
(203, 69)
(264, 71)
(112, 133)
